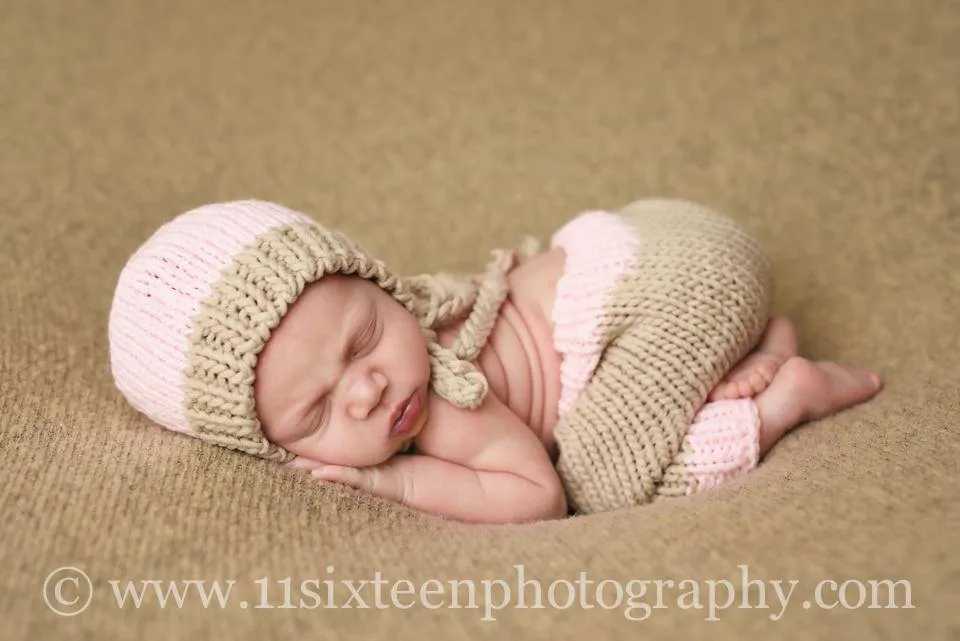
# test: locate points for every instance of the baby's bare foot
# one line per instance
(754, 373)
(804, 390)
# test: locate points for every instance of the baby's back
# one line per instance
(519, 359)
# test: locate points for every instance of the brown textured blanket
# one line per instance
(434, 131)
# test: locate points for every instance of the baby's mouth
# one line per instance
(407, 416)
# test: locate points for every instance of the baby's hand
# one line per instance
(383, 480)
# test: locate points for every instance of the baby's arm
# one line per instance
(482, 465)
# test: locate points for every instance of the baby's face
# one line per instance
(337, 371)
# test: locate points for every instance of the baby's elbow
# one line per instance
(542, 502)
(558, 503)
(553, 501)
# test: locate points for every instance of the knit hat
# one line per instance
(197, 301)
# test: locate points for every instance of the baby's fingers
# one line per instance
(352, 476)
(303, 463)
(378, 480)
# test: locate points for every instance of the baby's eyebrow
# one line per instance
(357, 327)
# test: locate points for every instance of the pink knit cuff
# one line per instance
(723, 442)
(600, 247)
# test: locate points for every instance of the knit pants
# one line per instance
(721, 441)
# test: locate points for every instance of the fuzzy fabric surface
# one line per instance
(433, 131)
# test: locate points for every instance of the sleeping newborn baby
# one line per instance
(478, 398)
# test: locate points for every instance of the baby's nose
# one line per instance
(367, 394)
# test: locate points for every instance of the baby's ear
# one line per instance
(302, 463)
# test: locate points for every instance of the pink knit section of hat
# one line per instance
(159, 292)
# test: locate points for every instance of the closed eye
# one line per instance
(318, 417)
(363, 344)
(368, 339)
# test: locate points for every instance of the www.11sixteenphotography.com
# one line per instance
(69, 591)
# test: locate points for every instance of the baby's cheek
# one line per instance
(411, 347)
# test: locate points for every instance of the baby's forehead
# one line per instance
(337, 294)
(323, 306)
(344, 286)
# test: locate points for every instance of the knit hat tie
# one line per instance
(454, 375)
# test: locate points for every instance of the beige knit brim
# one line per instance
(234, 323)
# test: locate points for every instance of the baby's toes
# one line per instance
(767, 371)
(722, 392)
(745, 386)
(731, 391)
(758, 382)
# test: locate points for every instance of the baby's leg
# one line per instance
(727, 438)
(804, 390)
(757, 370)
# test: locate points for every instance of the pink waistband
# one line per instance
(600, 247)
